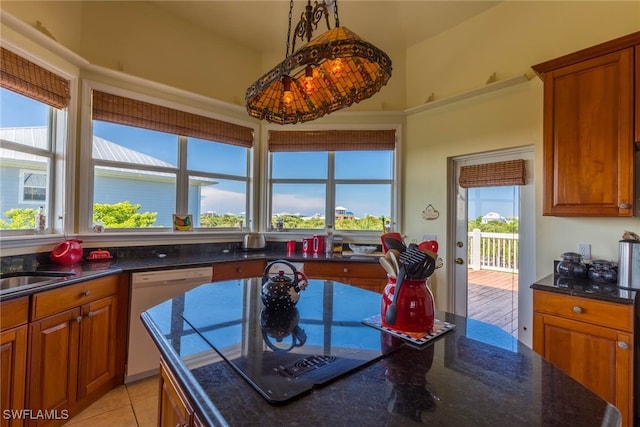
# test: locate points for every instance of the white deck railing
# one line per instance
(493, 251)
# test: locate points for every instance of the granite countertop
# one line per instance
(585, 288)
(132, 259)
(475, 374)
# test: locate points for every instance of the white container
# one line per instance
(629, 264)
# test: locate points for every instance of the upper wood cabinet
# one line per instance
(636, 104)
(589, 114)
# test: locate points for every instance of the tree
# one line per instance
(122, 215)
(19, 219)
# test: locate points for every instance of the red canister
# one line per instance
(307, 245)
(414, 306)
(318, 244)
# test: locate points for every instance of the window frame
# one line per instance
(331, 181)
(62, 142)
(88, 164)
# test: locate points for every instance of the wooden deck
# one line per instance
(493, 298)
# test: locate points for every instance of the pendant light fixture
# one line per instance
(329, 73)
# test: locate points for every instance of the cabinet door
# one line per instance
(599, 358)
(637, 99)
(53, 366)
(97, 345)
(13, 364)
(173, 410)
(588, 137)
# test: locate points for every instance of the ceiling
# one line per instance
(262, 25)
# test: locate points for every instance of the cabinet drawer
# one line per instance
(325, 269)
(608, 314)
(57, 300)
(14, 312)
(238, 269)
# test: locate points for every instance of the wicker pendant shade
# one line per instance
(330, 72)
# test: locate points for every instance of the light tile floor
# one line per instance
(131, 405)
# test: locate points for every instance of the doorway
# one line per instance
(492, 245)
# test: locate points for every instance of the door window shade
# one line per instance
(332, 140)
(511, 172)
(131, 112)
(28, 79)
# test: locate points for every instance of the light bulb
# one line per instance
(336, 67)
(307, 80)
(287, 95)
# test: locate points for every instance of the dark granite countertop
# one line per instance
(585, 288)
(475, 374)
(147, 258)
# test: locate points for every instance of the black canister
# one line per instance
(572, 265)
(603, 271)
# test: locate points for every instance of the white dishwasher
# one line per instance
(147, 290)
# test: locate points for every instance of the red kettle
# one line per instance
(67, 252)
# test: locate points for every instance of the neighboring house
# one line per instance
(343, 213)
(28, 175)
(492, 217)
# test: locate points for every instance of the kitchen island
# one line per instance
(473, 374)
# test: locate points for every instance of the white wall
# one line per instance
(507, 39)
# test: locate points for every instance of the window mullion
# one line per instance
(182, 178)
(330, 208)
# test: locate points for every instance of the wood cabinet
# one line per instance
(637, 97)
(13, 357)
(370, 276)
(174, 408)
(74, 346)
(588, 135)
(592, 341)
(238, 269)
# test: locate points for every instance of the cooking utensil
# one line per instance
(394, 255)
(387, 266)
(392, 310)
(392, 240)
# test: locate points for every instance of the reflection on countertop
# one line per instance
(585, 288)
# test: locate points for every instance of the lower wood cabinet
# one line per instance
(174, 409)
(238, 269)
(368, 276)
(592, 341)
(75, 354)
(13, 357)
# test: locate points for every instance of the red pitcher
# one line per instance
(415, 306)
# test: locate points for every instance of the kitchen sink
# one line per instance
(23, 278)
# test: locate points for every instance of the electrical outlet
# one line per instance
(584, 249)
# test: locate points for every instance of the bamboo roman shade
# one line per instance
(26, 78)
(511, 172)
(127, 111)
(332, 140)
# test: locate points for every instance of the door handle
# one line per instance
(459, 261)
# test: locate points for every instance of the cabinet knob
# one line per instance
(346, 270)
(624, 206)
(239, 270)
(90, 314)
(79, 319)
(87, 293)
(623, 345)
(577, 309)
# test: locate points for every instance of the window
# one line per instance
(33, 118)
(149, 162)
(340, 178)
(33, 186)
